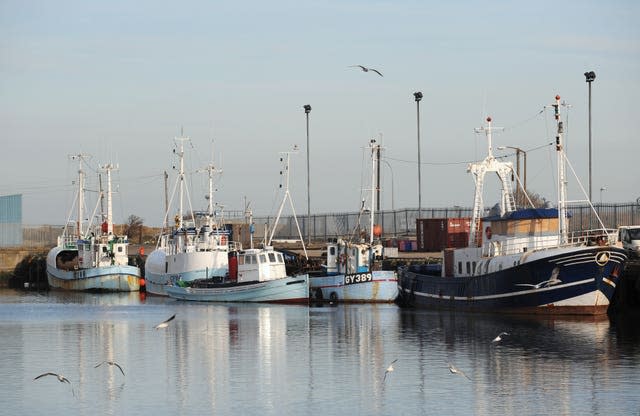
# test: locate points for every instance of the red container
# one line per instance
(436, 234)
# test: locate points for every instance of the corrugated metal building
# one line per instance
(11, 220)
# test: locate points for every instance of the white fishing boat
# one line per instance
(525, 261)
(88, 257)
(353, 270)
(188, 250)
(253, 275)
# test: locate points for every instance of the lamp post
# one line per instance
(418, 96)
(393, 198)
(604, 188)
(307, 110)
(518, 151)
(590, 77)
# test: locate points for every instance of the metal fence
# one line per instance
(402, 223)
(399, 224)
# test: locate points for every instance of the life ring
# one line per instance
(223, 240)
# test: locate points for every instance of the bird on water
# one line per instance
(365, 69)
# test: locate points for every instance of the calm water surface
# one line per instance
(248, 359)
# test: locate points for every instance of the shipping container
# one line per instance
(436, 234)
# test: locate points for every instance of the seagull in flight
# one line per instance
(165, 323)
(60, 377)
(499, 337)
(389, 369)
(365, 69)
(454, 370)
(112, 363)
(544, 283)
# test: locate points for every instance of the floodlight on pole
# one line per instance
(418, 96)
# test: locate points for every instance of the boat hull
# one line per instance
(585, 286)
(162, 269)
(122, 278)
(380, 286)
(293, 289)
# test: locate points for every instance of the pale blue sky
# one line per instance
(119, 79)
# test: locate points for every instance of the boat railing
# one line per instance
(599, 236)
(68, 242)
(518, 245)
(521, 245)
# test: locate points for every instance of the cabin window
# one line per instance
(119, 249)
(468, 268)
(280, 259)
(332, 251)
(104, 249)
(263, 258)
(272, 257)
(250, 259)
(473, 267)
(240, 259)
(459, 267)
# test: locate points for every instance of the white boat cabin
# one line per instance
(260, 265)
(504, 242)
(344, 257)
(104, 250)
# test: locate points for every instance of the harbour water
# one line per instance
(249, 359)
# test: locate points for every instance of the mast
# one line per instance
(479, 170)
(562, 180)
(108, 168)
(181, 179)
(80, 201)
(375, 153)
(284, 199)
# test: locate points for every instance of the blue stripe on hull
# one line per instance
(580, 275)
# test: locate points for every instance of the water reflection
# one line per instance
(276, 359)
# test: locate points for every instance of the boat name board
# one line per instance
(351, 279)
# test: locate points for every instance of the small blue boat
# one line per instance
(353, 270)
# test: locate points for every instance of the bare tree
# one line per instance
(133, 227)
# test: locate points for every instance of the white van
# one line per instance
(629, 237)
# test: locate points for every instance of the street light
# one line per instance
(518, 151)
(393, 204)
(307, 110)
(418, 96)
(604, 188)
(590, 77)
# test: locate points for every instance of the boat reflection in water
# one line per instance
(257, 359)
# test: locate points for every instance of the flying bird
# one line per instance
(454, 370)
(544, 283)
(112, 363)
(388, 370)
(365, 69)
(165, 323)
(499, 337)
(60, 377)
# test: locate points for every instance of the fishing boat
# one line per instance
(526, 261)
(89, 257)
(253, 275)
(353, 269)
(192, 248)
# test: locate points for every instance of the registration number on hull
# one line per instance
(351, 279)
